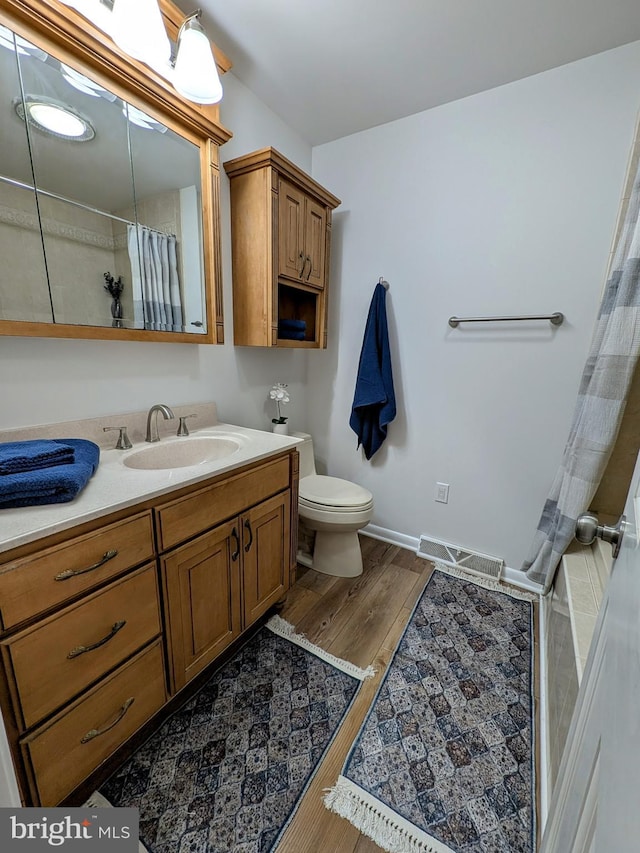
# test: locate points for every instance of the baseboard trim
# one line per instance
(391, 536)
(512, 576)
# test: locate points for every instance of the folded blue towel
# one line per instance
(18, 456)
(293, 325)
(59, 484)
(288, 335)
(374, 402)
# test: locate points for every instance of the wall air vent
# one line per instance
(462, 558)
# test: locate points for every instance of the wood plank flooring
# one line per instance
(359, 619)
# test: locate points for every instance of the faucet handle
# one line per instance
(123, 442)
(182, 427)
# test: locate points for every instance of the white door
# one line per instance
(595, 806)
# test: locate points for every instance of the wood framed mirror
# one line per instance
(110, 228)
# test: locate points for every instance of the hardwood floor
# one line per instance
(359, 619)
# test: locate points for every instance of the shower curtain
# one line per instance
(157, 303)
(602, 397)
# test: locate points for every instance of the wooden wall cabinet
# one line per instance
(281, 240)
(101, 625)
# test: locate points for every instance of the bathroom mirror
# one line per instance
(109, 222)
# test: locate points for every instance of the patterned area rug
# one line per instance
(226, 772)
(444, 760)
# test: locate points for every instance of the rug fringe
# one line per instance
(486, 583)
(285, 629)
(378, 822)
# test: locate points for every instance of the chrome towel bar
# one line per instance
(556, 319)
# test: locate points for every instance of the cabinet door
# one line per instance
(202, 601)
(291, 225)
(315, 236)
(265, 549)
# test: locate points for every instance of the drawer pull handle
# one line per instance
(71, 573)
(97, 732)
(80, 650)
(304, 261)
(247, 527)
(310, 267)
(236, 553)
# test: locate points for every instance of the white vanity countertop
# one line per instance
(114, 486)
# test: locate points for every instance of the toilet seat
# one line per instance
(332, 494)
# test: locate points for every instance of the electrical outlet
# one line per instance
(442, 493)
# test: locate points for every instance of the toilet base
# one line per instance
(337, 554)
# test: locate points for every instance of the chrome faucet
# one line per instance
(152, 423)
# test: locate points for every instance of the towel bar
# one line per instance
(556, 319)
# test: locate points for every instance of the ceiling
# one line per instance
(330, 68)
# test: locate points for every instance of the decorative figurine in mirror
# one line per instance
(115, 288)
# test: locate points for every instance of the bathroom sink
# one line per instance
(182, 453)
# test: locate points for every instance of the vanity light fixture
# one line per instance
(138, 29)
(136, 26)
(54, 118)
(195, 75)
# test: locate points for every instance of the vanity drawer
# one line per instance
(56, 756)
(46, 578)
(59, 657)
(186, 517)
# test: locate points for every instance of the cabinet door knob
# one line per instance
(304, 261)
(247, 527)
(308, 258)
(236, 553)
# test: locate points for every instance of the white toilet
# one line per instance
(336, 509)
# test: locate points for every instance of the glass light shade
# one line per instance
(195, 74)
(138, 29)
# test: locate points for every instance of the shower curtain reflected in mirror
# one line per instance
(155, 282)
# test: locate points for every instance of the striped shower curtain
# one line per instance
(602, 397)
(157, 303)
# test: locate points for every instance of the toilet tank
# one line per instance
(305, 449)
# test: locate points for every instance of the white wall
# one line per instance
(504, 202)
(46, 380)
(501, 203)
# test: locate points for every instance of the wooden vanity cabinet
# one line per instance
(281, 240)
(221, 582)
(202, 602)
(92, 617)
(81, 624)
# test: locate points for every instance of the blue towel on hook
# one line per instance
(58, 484)
(374, 402)
(18, 456)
